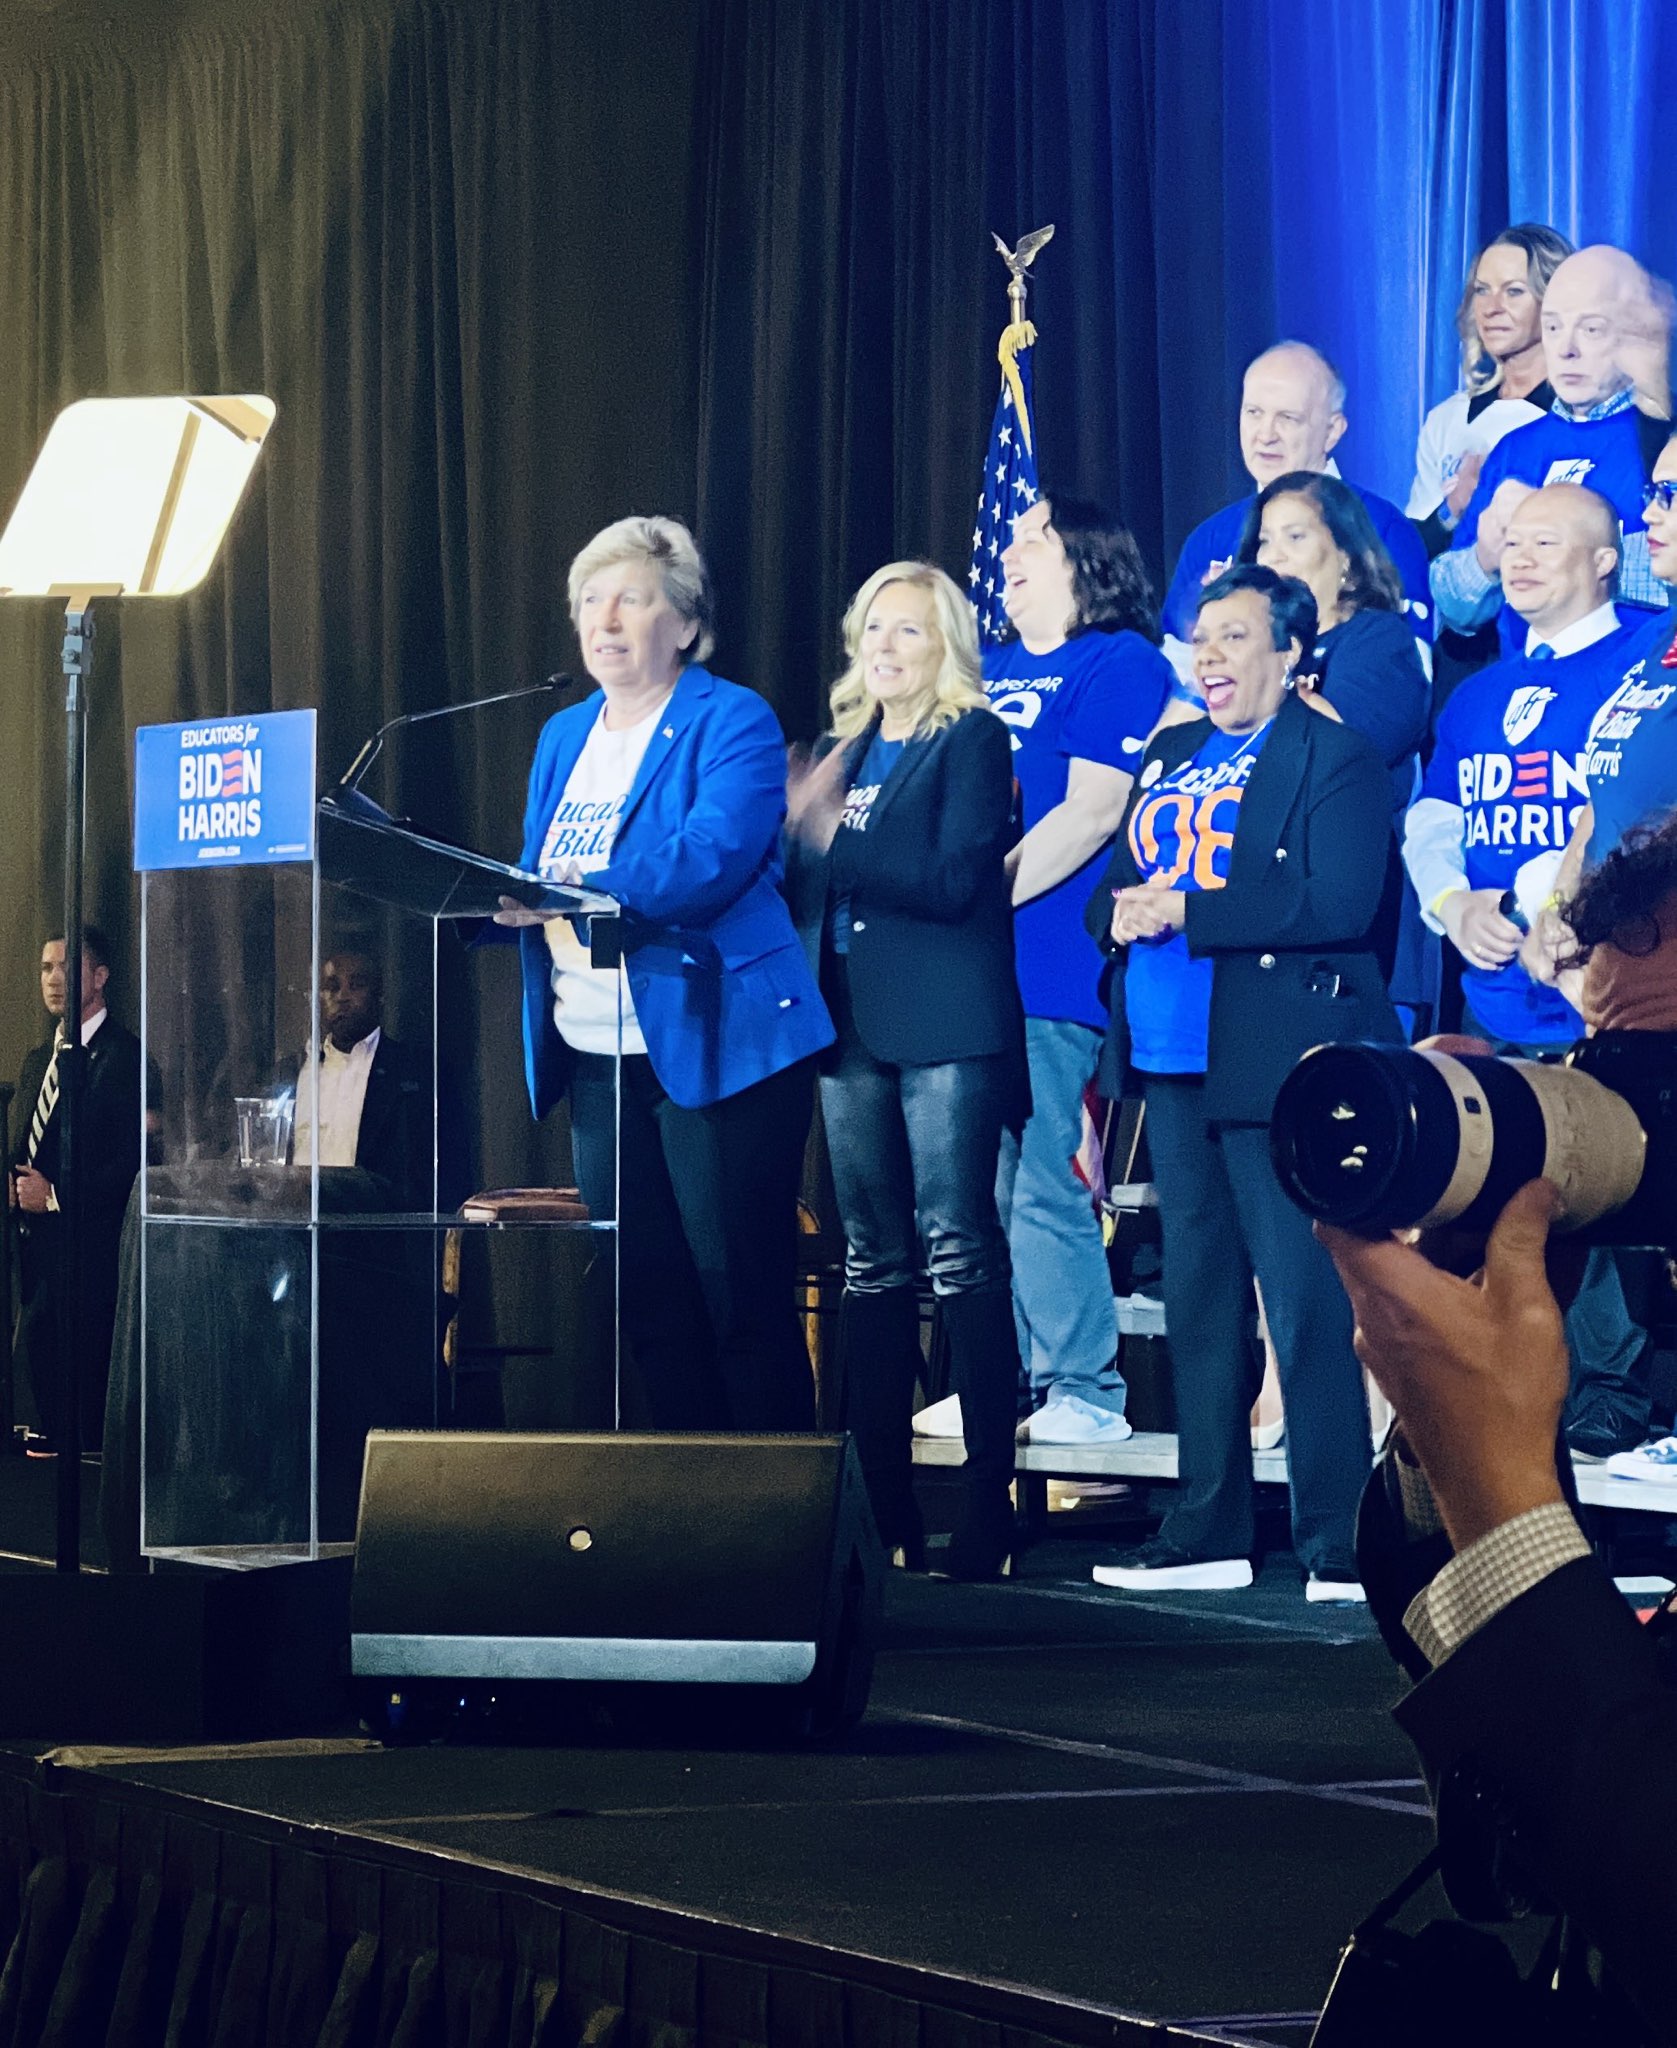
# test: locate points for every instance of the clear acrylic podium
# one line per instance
(286, 1307)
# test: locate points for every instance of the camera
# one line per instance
(1375, 1137)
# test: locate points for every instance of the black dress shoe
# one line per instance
(982, 1545)
(37, 1444)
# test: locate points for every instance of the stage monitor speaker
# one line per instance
(736, 1578)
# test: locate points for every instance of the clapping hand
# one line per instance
(1492, 535)
(815, 793)
(1642, 348)
(1463, 484)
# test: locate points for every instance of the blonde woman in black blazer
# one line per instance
(896, 873)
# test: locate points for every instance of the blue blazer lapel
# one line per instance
(693, 686)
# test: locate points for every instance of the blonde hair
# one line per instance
(664, 545)
(957, 686)
(1545, 250)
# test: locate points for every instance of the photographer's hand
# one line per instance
(1476, 1369)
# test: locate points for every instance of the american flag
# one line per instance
(1006, 488)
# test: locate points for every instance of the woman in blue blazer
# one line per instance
(666, 790)
(898, 882)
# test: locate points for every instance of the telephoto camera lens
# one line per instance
(1377, 1137)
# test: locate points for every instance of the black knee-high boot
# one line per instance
(984, 1364)
(880, 1344)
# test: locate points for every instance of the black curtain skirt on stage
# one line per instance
(130, 1919)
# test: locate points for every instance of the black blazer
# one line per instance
(1554, 1730)
(110, 1128)
(931, 969)
(1291, 935)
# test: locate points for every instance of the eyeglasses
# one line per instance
(1664, 495)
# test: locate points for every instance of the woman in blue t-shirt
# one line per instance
(1080, 687)
(897, 876)
(1239, 908)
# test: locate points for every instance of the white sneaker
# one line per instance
(940, 1418)
(1647, 1461)
(1069, 1419)
(1319, 1589)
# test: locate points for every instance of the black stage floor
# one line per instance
(1170, 1806)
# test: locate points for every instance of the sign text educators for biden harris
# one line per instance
(225, 791)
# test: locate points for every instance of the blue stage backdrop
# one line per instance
(1323, 168)
(1220, 172)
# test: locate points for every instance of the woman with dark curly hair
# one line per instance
(1365, 662)
(1080, 689)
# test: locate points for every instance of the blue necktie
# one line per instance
(1541, 652)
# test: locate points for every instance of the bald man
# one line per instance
(1507, 778)
(1484, 840)
(1605, 330)
(1292, 416)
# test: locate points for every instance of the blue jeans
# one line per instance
(913, 1152)
(1062, 1288)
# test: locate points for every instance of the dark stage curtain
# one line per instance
(460, 255)
(514, 267)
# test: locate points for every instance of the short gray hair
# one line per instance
(667, 546)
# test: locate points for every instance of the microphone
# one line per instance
(350, 781)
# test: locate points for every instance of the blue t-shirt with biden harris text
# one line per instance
(1631, 759)
(1096, 697)
(1182, 832)
(872, 773)
(1508, 773)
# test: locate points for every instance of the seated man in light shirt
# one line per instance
(374, 1098)
(1542, 1712)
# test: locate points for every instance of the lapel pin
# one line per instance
(669, 732)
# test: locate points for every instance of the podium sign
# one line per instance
(224, 792)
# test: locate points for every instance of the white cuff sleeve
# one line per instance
(1432, 852)
(1465, 596)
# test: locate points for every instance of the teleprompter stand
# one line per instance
(129, 498)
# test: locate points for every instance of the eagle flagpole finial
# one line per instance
(1018, 261)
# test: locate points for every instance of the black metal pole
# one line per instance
(78, 657)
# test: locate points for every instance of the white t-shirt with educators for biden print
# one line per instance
(579, 841)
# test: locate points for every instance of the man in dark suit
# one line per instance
(109, 1146)
(374, 1107)
(1544, 1713)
